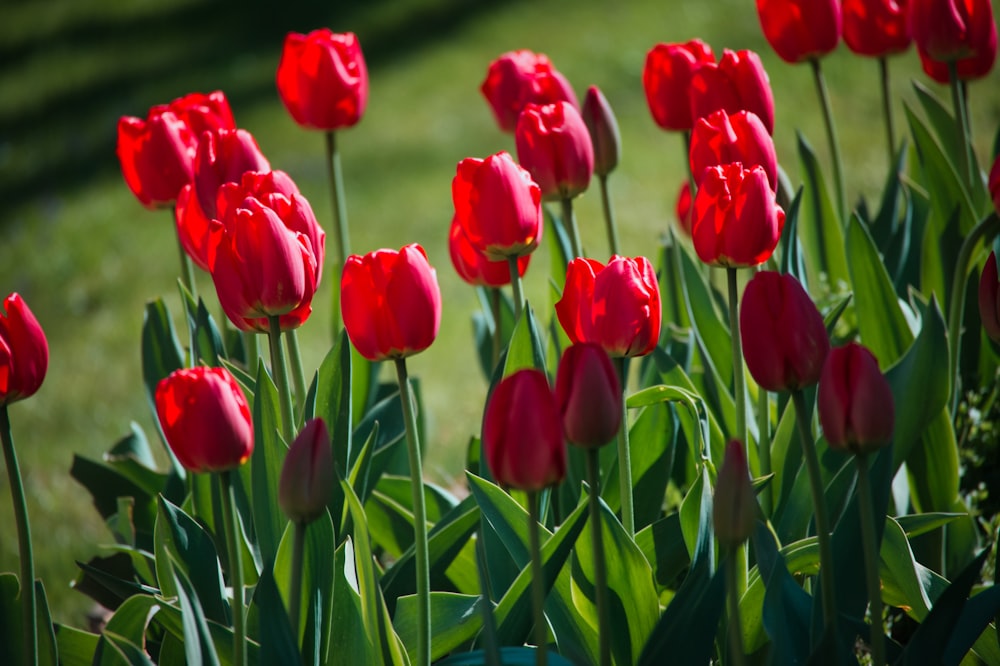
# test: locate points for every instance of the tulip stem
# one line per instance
(764, 447)
(609, 216)
(295, 360)
(281, 379)
(739, 391)
(497, 327)
(831, 137)
(600, 567)
(962, 122)
(187, 270)
(569, 222)
(625, 461)
(537, 582)
(29, 628)
(295, 591)
(339, 200)
(517, 287)
(419, 517)
(867, 508)
(819, 508)
(251, 347)
(735, 629)
(235, 567)
(890, 132)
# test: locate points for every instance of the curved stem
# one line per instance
(600, 567)
(517, 287)
(29, 627)
(419, 517)
(609, 216)
(819, 508)
(569, 222)
(295, 360)
(962, 121)
(890, 132)
(867, 509)
(739, 391)
(625, 461)
(537, 582)
(733, 602)
(831, 137)
(295, 591)
(281, 379)
(341, 237)
(235, 566)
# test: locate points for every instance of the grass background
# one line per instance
(86, 256)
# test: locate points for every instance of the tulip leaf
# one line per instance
(509, 656)
(334, 400)
(525, 349)
(456, 618)
(123, 650)
(106, 484)
(787, 607)
(820, 229)
(485, 325)
(75, 646)
(161, 355)
(662, 543)
(198, 645)
(277, 639)
(349, 632)
(696, 520)
(792, 259)
(265, 466)
(11, 624)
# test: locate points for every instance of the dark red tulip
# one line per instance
(876, 28)
(307, 475)
(589, 396)
(603, 127)
(856, 407)
(800, 29)
(24, 351)
(954, 30)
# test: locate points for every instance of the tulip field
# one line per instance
(425, 331)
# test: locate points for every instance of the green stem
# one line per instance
(609, 216)
(569, 222)
(537, 582)
(281, 379)
(251, 345)
(235, 566)
(295, 360)
(733, 601)
(600, 567)
(961, 119)
(625, 462)
(419, 518)
(29, 628)
(341, 237)
(490, 647)
(764, 447)
(819, 507)
(295, 592)
(187, 271)
(739, 391)
(868, 517)
(497, 327)
(831, 137)
(516, 286)
(890, 132)
(692, 185)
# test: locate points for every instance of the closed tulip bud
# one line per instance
(323, 80)
(989, 298)
(24, 351)
(876, 28)
(554, 146)
(721, 138)
(205, 419)
(666, 78)
(603, 128)
(784, 338)
(682, 208)
(855, 402)
(798, 30)
(522, 433)
(734, 505)
(615, 306)
(737, 83)
(519, 78)
(475, 267)
(737, 222)
(954, 30)
(499, 205)
(307, 477)
(391, 302)
(589, 396)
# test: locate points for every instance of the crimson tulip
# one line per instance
(974, 67)
(737, 83)
(322, 79)
(307, 475)
(499, 205)
(519, 78)
(223, 157)
(784, 338)
(734, 504)
(391, 302)
(615, 306)
(666, 78)
(736, 220)
(856, 407)
(475, 267)
(721, 138)
(205, 419)
(603, 128)
(553, 144)
(989, 298)
(24, 351)
(203, 112)
(522, 433)
(798, 30)
(876, 28)
(589, 396)
(682, 208)
(994, 184)
(954, 30)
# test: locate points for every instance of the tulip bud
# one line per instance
(855, 402)
(954, 30)
(554, 146)
(800, 29)
(734, 506)
(589, 396)
(24, 351)
(666, 78)
(603, 128)
(522, 433)
(876, 28)
(737, 83)
(519, 78)
(322, 79)
(720, 138)
(989, 298)
(474, 266)
(307, 478)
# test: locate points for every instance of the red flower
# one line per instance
(589, 396)
(519, 78)
(307, 475)
(391, 302)
(855, 402)
(522, 435)
(24, 351)
(721, 138)
(203, 112)
(322, 79)
(499, 205)
(554, 146)
(615, 306)
(475, 267)
(994, 184)
(947, 30)
(603, 128)
(968, 69)
(876, 28)
(800, 29)
(784, 338)
(734, 506)
(683, 208)
(989, 298)
(737, 83)
(737, 221)
(666, 79)
(205, 419)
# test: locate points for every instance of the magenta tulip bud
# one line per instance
(307, 477)
(603, 127)
(589, 396)
(734, 508)
(856, 407)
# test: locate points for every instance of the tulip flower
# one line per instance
(721, 138)
(553, 144)
(519, 78)
(737, 83)
(603, 128)
(784, 338)
(855, 402)
(205, 419)
(307, 475)
(682, 208)
(876, 28)
(666, 78)
(799, 30)
(953, 30)
(736, 220)
(203, 112)
(391, 302)
(974, 67)
(615, 306)
(322, 79)
(989, 298)
(994, 184)
(734, 506)
(475, 267)
(589, 396)
(24, 351)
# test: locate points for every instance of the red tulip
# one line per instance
(475, 267)
(784, 338)
(734, 505)
(519, 78)
(24, 351)
(603, 128)
(553, 144)
(989, 298)
(323, 80)
(683, 208)
(499, 205)
(949, 30)
(307, 475)
(967, 69)
(203, 112)
(855, 402)
(737, 221)
(522, 435)
(721, 138)
(391, 302)
(589, 396)
(994, 184)
(876, 28)
(800, 29)
(615, 306)
(737, 83)
(666, 79)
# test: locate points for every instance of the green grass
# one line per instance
(87, 256)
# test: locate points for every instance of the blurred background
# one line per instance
(87, 257)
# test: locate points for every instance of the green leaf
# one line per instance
(455, 618)
(198, 646)
(125, 651)
(792, 259)
(820, 230)
(509, 656)
(11, 623)
(787, 607)
(709, 324)
(106, 484)
(334, 400)
(696, 520)
(277, 640)
(161, 355)
(348, 629)
(525, 349)
(129, 623)
(662, 543)
(265, 466)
